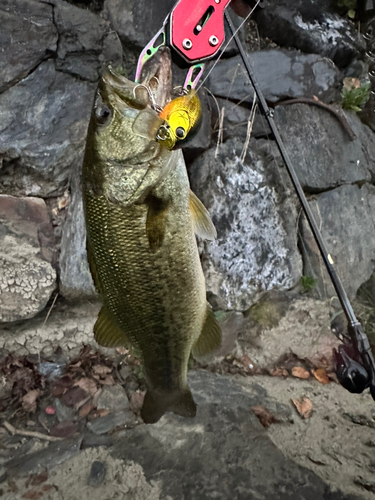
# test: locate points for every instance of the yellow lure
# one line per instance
(182, 117)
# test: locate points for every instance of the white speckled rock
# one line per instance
(254, 213)
(27, 278)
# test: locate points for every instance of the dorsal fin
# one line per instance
(210, 337)
(203, 225)
(107, 332)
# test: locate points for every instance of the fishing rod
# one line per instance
(354, 362)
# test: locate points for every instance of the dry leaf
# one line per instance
(265, 417)
(304, 407)
(321, 376)
(101, 370)
(351, 83)
(85, 410)
(87, 384)
(29, 400)
(108, 380)
(299, 372)
(122, 350)
(74, 396)
(136, 400)
(279, 372)
(37, 479)
(64, 429)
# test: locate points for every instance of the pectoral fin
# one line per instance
(210, 337)
(106, 331)
(156, 222)
(203, 225)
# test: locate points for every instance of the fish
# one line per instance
(183, 117)
(141, 221)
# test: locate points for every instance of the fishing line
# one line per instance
(227, 44)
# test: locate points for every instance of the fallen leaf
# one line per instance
(98, 413)
(279, 372)
(321, 376)
(136, 400)
(85, 410)
(87, 384)
(29, 400)
(37, 479)
(74, 396)
(33, 494)
(304, 407)
(108, 380)
(101, 370)
(64, 429)
(264, 416)
(299, 372)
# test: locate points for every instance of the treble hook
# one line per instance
(155, 106)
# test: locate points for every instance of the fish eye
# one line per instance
(103, 113)
(180, 132)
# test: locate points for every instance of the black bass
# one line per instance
(141, 218)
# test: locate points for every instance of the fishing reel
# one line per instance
(354, 364)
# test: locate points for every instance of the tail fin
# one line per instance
(156, 403)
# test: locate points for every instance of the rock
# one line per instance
(97, 474)
(281, 75)
(235, 121)
(253, 209)
(231, 324)
(224, 452)
(346, 217)
(29, 36)
(75, 277)
(27, 278)
(109, 422)
(82, 36)
(113, 398)
(43, 131)
(63, 413)
(136, 22)
(55, 454)
(93, 440)
(320, 149)
(311, 26)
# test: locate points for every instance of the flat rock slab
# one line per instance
(281, 75)
(311, 26)
(321, 150)
(28, 36)
(223, 453)
(346, 217)
(27, 278)
(252, 207)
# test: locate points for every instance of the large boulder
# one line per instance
(311, 26)
(346, 217)
(28, 36)
(281, 75)
(27, 278)
(321, 150)
(254, 212)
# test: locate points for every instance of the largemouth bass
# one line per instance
(141, 218)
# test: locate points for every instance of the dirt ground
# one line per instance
(337, 442)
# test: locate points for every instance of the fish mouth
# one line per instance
(154, 91)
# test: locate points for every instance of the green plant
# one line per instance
(308, 283)
(350, 5)
(354, 95)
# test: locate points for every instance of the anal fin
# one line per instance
(106, 331)
(203, 225)
(210, 337)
